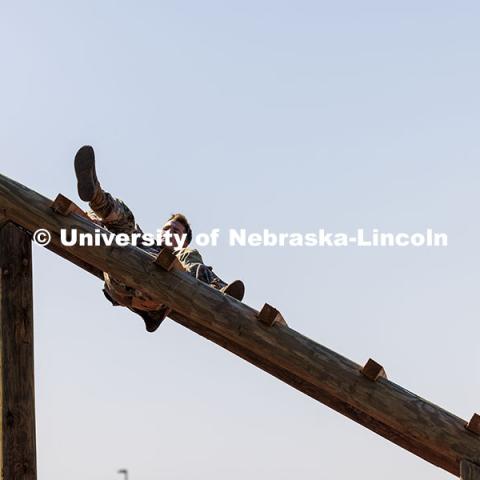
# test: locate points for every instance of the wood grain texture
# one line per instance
(469, 470)
(18, 452)
(3, 217)
(382, 406)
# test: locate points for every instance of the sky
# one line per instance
(291, 116)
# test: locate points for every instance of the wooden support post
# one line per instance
(469, 470)
(3, 217)
(373, 370)
(17, 404)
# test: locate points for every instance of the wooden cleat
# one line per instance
(474, 424)
(373, 370)
(165, 258)
(64, 206)
(168, 260)
(269, 315)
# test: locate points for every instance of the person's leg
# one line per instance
(192, 261)
(114, 213)
(111, 212)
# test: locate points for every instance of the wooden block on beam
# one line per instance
(474, 424)
(64, 206)
(469, 470)
(168, 260)
(373, 370)
(165, 258)
(269, 315)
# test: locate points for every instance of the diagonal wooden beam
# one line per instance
(382, 406)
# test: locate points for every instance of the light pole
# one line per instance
(125, 472)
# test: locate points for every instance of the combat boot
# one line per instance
(87, 181)
(88, 186)
(236, 289)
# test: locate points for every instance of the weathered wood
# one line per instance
(3, 217)
(168, 260)
(373, 370)
(267, 315)
(474, 424)
(469, 470)
(65, 206)
(18, 454)
(270, 316)
(382, 406)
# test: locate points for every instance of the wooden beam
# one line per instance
(469, 470)
(18, 452)
(382, 406)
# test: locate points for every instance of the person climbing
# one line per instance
(114, 215)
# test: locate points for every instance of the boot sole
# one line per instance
(85, 172)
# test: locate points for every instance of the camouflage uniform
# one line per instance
(115, 215)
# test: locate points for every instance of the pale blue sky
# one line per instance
(286, 115)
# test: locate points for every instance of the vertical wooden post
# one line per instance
(17, 397)
(469, 470)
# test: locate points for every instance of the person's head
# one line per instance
(178, 224)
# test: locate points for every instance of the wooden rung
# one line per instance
(269, 315)
(469, 470)
(64, 206)
(167, 259)
(373, 370)
(474, 424)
